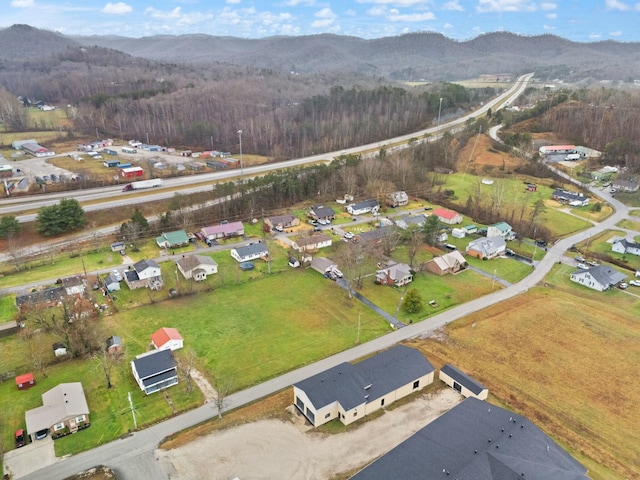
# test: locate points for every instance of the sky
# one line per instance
(576, 20)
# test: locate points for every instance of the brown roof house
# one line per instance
(281, 222)
(64, 410)
(197, 267)
(311, 243)
(451, 262)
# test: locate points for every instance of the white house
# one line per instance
(489, 247)
(598, 278)
(394, 274)
(360, 208)
(145, 273)
(625, 246)
(398, 199)
(250, 252)
(501, 229)
(155, 370)
(197, 267)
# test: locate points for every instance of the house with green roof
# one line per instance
(177, 238)
(501, 229)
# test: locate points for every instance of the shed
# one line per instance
(59, 349)
(131, 172)
(114, 345)
(463, 383)
(26, 381)
(167, 339)
(117, 247)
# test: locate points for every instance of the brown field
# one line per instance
(560, 358)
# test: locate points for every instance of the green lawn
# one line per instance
(629, 225)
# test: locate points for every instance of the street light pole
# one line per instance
(241, 166)
(439, 110)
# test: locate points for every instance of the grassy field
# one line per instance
(555, 355)
(629, 225)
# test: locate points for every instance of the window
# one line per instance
(58, 426)
(80, 418)
(382, 402)
(416, 384)
(327, 415)
(355, 413)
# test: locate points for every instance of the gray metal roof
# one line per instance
(603, 274)
(463, 379)
(253, 249)
(382, 373)
(154, 363)
(476, 441)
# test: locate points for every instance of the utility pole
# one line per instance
(439, 110)
(358, 340)
(133, 412)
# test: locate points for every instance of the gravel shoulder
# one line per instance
(275, 449)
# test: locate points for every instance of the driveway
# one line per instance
(31, 457)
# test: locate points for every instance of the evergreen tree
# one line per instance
(9, 226)
(64, 217)
(412, 302)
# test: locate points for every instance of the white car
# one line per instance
(635, 283)
(623, 286)
(348, 235)
(582, 266)
(117, 275)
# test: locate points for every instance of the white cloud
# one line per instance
(453, 5)
(22, 3)
(395, 16)
(486, 6)
(117, 8)
(617, 33)
(377, 11)
(297, 3)
(177, 16)
(616, 5)
(397, 3)
(594, 36)
(325, 18)
(233, 2)
(551, 16)
(447, 26)
(548, 6)
(549, 27)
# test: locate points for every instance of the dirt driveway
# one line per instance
(274, 449)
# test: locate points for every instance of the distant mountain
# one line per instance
(414, 56)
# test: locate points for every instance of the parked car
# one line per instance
(41, 434)
(541, 243)
(579, 259)
(348, 235)
(20, 438)
(582, 266)
(117, 275)
(509, 252)
(593, 263)
(635, 283)
(623, 286)
(278, 228)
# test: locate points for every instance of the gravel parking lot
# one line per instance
(274, 449)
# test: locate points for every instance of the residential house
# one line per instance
(281, 222)
(73, 285)
(155, 370)
(111, 283)
(397, 199)
(501, 229)
(320, 212)
(489, 247)
(625, 246)
(447, 216)
(145, 273)
(64, 410)
(351, 391)
(117, 247)
(406, 221)
(570, 198)
(25, 382)
(114, 345)
(177, 238)
(628, 185)
(311, 243)
(394, 274)
(167, 338)
(480, 441)
(372, 236)
(250, 252)
(196, 267)
(451, 262)
(224, 230)
(48, 296)
(463, 383)
(598, 278)
(360, 208)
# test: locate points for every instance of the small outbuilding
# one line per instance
(463, 383)
(167, 339)
(114, 345)
(25, 382)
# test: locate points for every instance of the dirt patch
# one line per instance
(288, 449)
(96, 473)
(479, 157)
(205, 387)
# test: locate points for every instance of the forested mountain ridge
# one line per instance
(415, 56)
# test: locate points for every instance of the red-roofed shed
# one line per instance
(26, 381)
(448, 216)
(167, 339)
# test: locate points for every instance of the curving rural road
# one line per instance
(133, 457)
